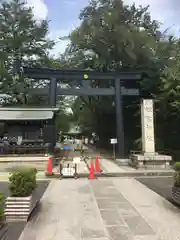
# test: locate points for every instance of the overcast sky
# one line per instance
(64, 15)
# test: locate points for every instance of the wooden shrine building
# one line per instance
(27, 129)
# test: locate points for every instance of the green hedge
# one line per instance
(22, 182)
(177, 166)
(2, 200)
(177, 174)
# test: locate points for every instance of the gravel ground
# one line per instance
(15, 229)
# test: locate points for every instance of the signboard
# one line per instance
(113, 140)
(147, 125)
(68, 171)
(76, 160)
(19, 141)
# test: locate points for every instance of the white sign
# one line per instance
(147, 125)
(113, 140)
(68, 171)
(19, 141)
(76, 160)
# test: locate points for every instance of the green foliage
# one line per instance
(168, 103)
(23, 41)
(83, 114)
(177, 174)
(177, 179)
(113, 35)
(177, 166)
(2, 201)
(63, 122)
(22, 182)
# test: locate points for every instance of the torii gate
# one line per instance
(126, 82)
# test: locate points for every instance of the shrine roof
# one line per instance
(17, 113)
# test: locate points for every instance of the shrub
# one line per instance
(2, 200)
(177, 166)
(177, 174)
(177, 179)
(22, 182)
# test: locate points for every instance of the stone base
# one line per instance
(123, 162)
(151, 160)
(17, 209)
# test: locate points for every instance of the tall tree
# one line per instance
(168, 102)
(23, 41)
(113, 35)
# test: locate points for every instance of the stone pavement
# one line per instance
(105, 209)
(110, 167)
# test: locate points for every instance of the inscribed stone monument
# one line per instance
(149, 158)
(147, 125)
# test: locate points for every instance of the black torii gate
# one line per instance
(121, 88)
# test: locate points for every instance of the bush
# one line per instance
(177, 174)
(2, 200)
(22, 182)
(177, 179)
(177, 166)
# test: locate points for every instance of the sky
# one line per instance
(63, 15)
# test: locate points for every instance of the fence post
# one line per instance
(75, 174)
(60, 170)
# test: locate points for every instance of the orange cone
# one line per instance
(49, 166)
(97, 165)
(91, 171)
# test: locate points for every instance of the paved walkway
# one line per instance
(110, 167)
(106, 209)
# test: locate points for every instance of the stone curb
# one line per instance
(122, 174)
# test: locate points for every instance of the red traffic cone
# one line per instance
(97, 165)
(91, 171)
(49, 166)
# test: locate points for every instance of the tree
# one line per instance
(80, 110)
(23, 41)
(168, 102)
(113, 35)
(63, 121)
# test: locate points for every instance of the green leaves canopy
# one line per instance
(113, 35)
(23, 41)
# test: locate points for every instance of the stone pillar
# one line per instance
(149, 158)
(147, 126)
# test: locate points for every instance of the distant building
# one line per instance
(30, 128)
(73, 132)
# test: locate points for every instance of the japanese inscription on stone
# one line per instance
(147, 125)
